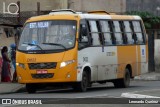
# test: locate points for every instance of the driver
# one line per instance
(69, 38)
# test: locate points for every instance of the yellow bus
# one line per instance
(77, 49)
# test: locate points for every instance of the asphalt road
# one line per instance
(99, 93)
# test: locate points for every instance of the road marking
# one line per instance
(8, 105)
(93, 96)
(131, 95)
(134, 95)
(146, 90)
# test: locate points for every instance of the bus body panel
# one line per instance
(103, 62)
(60, 74)
(144, 63)
(126, 56)
(53, 17)
(80, 70)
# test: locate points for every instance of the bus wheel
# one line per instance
(31, 88)
(123, 83)
(82, 86)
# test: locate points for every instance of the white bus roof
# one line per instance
(92, 14)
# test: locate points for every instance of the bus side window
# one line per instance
(117, 33)
(138, 32)
(83, 33)
(83, 36)
(128, 32)
(94, 33)
(106, 31)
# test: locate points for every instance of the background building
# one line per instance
(117, 6)
(29, 8)
(152, 6)
(31, 5)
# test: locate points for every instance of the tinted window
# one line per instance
(83, 36)
(128, 32)
(138, 32)
(117, 32)
(94, 33)
(48, 35)
(106, 31)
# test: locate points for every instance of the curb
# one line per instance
(148, 77)
(131, 95)
(17, 89)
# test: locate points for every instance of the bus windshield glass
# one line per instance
(48, 35)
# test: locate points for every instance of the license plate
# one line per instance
(42, 71)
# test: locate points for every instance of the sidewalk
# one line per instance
(7, 87)
(15, 87)
(153, 76)
(155, 93)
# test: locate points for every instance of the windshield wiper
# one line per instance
(33, 45)
(55, 44)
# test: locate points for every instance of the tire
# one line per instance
(82, 86)
(31, 88)
(123, 83)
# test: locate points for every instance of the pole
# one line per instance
(19, 13)
(38, 8)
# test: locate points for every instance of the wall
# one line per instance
(118, 6)
(6, 41)
(78, 5)
(157, 55)
(143, 5)
(31, 5)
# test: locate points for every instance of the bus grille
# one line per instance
(41, 76)
(51, 65)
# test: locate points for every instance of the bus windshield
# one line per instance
(48, 35)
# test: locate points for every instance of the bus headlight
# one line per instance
(20, 65)
(63, 64)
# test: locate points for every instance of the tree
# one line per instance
(149, 19)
